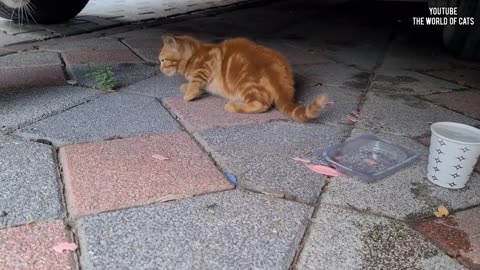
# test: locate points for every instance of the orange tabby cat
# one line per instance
(252, 77)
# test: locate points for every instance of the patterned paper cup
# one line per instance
(454, 151)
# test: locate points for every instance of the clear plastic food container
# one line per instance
(368, 157)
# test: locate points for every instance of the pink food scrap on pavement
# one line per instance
(353, 117)
(325, 170)
(370, 161)
(61, 247)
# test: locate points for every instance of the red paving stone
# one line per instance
(105, 57)
(458, 235)
(207, 112)
(5, 52)
(38, 76)
(123, 173)
(465, 102)
(30, 247)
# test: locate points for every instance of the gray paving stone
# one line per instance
(11, 28)
(404, 115)
(159, 86)
(27, 59)
(228, 230)
(29, 190)
(6, 39)
(345, 239)
(407, 194)
(260, 156)
(343, 37)
(21, 107)
(38, 35)
(345, 101)
(110, 116)
(410, 83)
(124, 74)
(468, 77)
(335, 75)
(414, 52)
(86, 44)
(296, 55)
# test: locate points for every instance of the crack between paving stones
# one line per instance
(220, 167)
(15, 130)
(308, 228)
(132, 50)
(466, 86)
(64, 66)
(363, 96)
(183, 129)
(422, 98)
(68, 222)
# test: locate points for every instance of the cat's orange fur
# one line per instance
(252, 77)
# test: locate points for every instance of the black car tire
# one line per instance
(462, 40)
(45, 11)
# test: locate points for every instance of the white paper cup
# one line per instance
(454, 151)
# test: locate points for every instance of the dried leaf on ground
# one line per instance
(442, 211)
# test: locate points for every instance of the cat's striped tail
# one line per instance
(301, 113)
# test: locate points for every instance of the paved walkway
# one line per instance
(85, 166)
(104, 14)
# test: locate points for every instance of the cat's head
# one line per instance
(175, 52)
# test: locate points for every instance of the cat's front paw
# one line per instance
(184, 87)
(230, 107)
(188, 97)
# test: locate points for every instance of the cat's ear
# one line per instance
(169, 40)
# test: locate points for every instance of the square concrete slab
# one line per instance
(208, 112)
(295, 55)
(21, 107)
(260, 156)
(228, 230)
(101, 57)
(404, 82)
(346, 239)
(159, 86)
(146, 47)
(29, 189)
(124, 173)
(124, 74)
(5, 52)
(26, 77)
(404, 115)
(406, 194)
(466, 77)
(465, 102)
(31, 247)
(30, 59)
(457, 234)
(96, 44)
(31, 69)
(335, 75)
(426, 54)
(110, 116)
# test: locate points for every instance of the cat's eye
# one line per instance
(162, 60)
